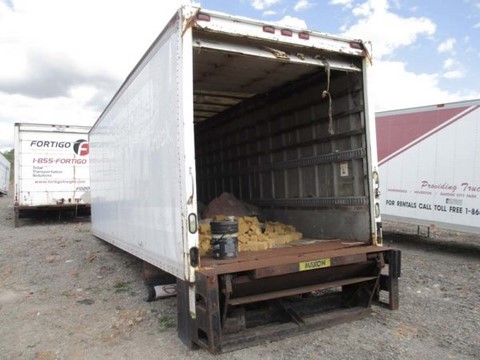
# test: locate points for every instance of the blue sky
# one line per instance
(433, 45)
(62, 61)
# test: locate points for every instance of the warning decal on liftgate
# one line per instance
(314, 264)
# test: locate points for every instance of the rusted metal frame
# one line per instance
(246, 285)
(294, 267)
(393, 295)
(252, 263)
(227, 289)
(210, 314)
(185, 324)
(297, 290)
(292, 314)
(380, 265)
(362, 294)
(230, 341)
(322, 245)
(394, 273)
(390, 282)
(208, 317)
(255, 336)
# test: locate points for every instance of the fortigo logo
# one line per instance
(80, 147)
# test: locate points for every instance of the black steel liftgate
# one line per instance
(272, 294)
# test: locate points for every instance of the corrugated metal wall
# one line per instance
(275, 151)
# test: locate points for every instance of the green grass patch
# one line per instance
(122, 287)
(165, 323)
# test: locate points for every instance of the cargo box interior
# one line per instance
(262, 134)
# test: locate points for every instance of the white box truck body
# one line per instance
(51, 167)
(4, 175)
(430, 165)
(278, 117)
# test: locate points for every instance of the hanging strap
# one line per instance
(326, 93)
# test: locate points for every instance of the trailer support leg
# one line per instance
(389, 282)
(17, 218)
(184, 321)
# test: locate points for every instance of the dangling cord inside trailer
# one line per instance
(326, 93)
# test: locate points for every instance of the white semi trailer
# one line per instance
(429, 160)
(51, 168)
(279, 117)
(4, 175)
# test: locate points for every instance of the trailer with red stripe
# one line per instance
(429, 165)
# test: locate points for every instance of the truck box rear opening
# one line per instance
(263, 133)
(273, 149)
(223, 104)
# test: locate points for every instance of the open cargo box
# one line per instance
(267, 132)
(274, 149)
(279, 119)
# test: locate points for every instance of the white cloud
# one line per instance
(394, 87)
(61, 110)
(264, 4)
(387, 30)
(453, 69)
(269, 13)
(83, 93)
(75, 46)
(62, 61)
(303, 5)
(476, 26)
(453, 74)
(291, 21)
(362, 9)
(344, 3)
(449, 63)
(447, 45)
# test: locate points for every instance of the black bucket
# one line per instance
(224, 239)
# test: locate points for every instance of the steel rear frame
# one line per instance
(261, 298)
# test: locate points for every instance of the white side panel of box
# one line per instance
(138, 171)
(437, 180)
(4, 174)
(52, 165)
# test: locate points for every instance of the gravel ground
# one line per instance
(66, 295)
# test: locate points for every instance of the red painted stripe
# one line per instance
(396, 131)
(428, 134)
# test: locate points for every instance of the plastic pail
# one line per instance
(224, 239)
